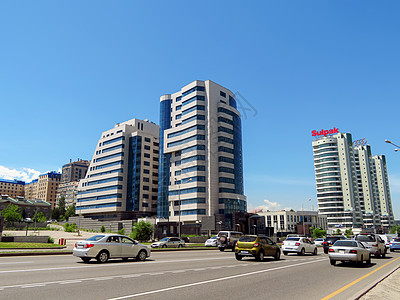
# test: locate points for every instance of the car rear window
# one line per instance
(365, 238)
(345, 243)
(397, 240)
(247, 239)
(95, 238)
(222, 233)
(292, 239)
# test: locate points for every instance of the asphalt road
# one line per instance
(188, 275)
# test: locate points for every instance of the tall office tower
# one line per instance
(366, 187)
(201, 168)
(47, 187)
(72, 172)
(384, 199)
(122, 179)
(337, 190)
(12, 188)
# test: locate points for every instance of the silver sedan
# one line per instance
(349, 250)
(170, 242)
(105, 246)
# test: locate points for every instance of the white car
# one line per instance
(299, 245)
(349, 250)
(211, 242)
(318, 242)
(169, 242)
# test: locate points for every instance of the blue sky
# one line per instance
(71, 69)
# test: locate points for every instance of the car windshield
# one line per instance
(292, 239)
(397, 240)
(345, 244)
(164, 240)
(319, 240)
(95, 238)
(222, 233)
(214, 237)
(365, 238)
(247, 239)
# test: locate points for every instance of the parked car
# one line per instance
(169, 242)
(318, 242)
(394, 244)
(373, 243)
(349, 250)
(228, 239)
(105, 246)
(211, 242)
(299, 245)
(256, 246)
(330, 240)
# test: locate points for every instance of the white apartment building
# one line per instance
(335, 173)
(201, 168)
(383, 189)
(352, 185)
(122, 179)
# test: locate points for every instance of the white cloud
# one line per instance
(25, 174)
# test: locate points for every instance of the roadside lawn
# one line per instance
(6, 245)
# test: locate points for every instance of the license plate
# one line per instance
(245, 252)
(341, 251)
(289, 248)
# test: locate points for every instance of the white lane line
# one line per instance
(32, 285)
(112, 265)
(70, 281)
(16, 262)
(213, 280)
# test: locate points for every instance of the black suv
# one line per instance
(330, 240)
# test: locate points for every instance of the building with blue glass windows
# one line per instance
(201, 167)
(122, 180)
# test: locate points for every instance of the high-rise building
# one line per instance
(352, 185)
(12, 188)
(72, 172)
(47, 185)
(383, 192)
(201, 167)
(122, 180)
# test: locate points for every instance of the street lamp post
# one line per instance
(389, 142)
(302, 211)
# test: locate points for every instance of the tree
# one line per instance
(394, 229)
(70, 212)
(61, 206)
(348, 232)
(39, 217)
(318, 232)
(11, 214)
(142, 231)
(338, 232)
(55, 213)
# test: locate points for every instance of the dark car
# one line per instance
(330, 240)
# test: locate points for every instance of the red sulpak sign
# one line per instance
(325, 132)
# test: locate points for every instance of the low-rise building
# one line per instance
(12, 188)
(27, 207)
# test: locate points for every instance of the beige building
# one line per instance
(12, 188)
(44, 188)
(31, 191)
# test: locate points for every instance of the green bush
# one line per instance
(50, 240)
(102, 229)
(142, 231)
(121, 231)
(70, 227)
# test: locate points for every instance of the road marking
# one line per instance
(214, 280)
(357, 280)
(70, 281)
(17, 262)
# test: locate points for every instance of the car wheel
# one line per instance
(391, 250)
(85, 259)
(125, 258)
(260, 256)
(368, 261)
(315, 252)
(102, 257)
(361, 261)
(333, 262)
(384, 254)
(301, 252)
(326, 251)
(233, 249)
(238, 257)
(277, 255)
(141, 256)
(285, 253)
(164, 246)
(378, 254)
(180, 246)
(221, 249)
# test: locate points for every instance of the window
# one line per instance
(177, 117)
(189, 139)
(146, 188)
(146, 147)
(148, 140)
(179, 107)
(147, 155)
(146, 171)
(222, 94)
(196, 88)
(145, 204)
(145, 179)
(197, 107)
(146, 163)
(195, 98)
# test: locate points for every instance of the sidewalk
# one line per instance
(388, 288)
